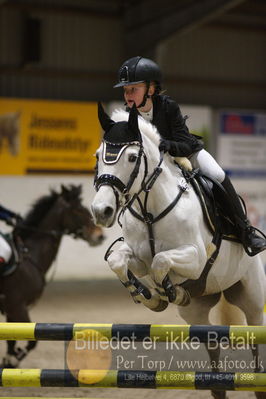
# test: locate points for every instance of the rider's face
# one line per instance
(134, 94)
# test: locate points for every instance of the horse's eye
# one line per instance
(132, 157)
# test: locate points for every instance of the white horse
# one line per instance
(167, 243)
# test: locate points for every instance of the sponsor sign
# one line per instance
(242, 144)
(38, 136)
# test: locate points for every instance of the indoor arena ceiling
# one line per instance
(156, 20)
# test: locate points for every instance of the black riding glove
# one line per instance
(174, 148)
(10, 221)
(13, 220)
(165, 145)
(19, 219)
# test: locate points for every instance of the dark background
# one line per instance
(211, 51)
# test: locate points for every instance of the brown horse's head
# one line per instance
(57, 214)
(77, 219)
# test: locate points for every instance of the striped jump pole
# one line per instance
(133, 379)
(134, 332)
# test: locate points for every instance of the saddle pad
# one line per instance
(214, 210)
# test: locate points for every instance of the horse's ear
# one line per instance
(64, 189)
(104, 119)
(133, 122)
(77, 190)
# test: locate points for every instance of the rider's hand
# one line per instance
(18, 218)
(165, 145)
(174, 148)
(10, 221)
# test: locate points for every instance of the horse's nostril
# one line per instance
(101, 237)
(108, 211)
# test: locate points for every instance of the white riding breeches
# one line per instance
(5, 250)
(207, 165)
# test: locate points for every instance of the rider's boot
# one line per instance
(252, 242)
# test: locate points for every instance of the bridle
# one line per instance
(54, 234)
(146, 185)
(115, 183)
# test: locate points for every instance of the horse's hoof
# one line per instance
(161, 306)
(260, 395)
(9, 362)
(183, 297)
(6, 365)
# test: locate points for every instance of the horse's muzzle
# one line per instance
(104, 206)
(103, 215)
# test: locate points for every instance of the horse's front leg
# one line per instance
(127, 268)
(14, 353)
(187, 261)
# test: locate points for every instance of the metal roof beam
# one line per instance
(182, 16)
(63, 9)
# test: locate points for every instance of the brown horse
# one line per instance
(9, 131)
(38, 238)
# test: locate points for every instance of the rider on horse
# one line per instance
(141, 80)
(10, 218)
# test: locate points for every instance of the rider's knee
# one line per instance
(208, 165)
(218, 174)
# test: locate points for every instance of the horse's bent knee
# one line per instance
(160, 266)
(118, 264)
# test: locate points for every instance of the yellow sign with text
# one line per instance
(38, 136)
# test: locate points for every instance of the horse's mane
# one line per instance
(38, 211)
(148, 130)
(145, 127)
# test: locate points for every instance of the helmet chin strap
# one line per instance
(146, 96)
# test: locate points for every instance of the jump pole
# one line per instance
(133, 379)
(137, 332)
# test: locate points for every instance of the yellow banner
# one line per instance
(38, 136)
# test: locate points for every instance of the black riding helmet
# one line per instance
(137, 70)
